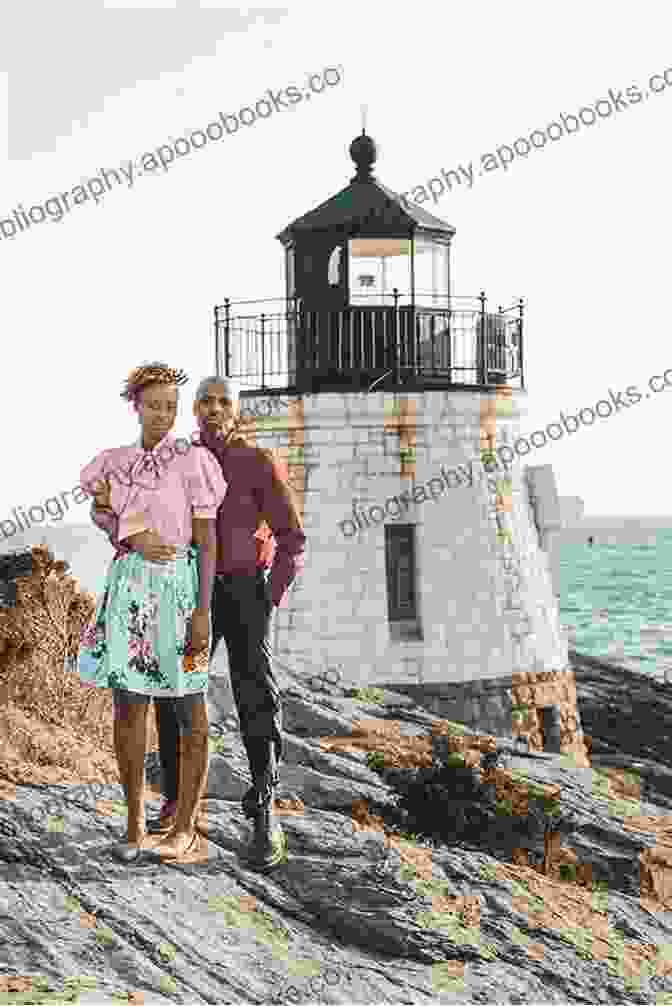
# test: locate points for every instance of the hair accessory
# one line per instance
(151, 373)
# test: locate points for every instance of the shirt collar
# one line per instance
(168, 439)
(221, 442)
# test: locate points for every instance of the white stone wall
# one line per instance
(487, 605)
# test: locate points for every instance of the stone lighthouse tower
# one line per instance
(397, 407)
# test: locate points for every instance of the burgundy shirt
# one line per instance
(258, 524)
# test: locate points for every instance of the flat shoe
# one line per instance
(151, 841)
(192, 853)
(128, 852)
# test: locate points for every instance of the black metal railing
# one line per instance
(290, 347)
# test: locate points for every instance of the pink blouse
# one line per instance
(159, 490)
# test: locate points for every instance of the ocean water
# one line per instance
(616, 595)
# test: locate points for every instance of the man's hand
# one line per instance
(150, 546)
(200, 630)
(210, 435)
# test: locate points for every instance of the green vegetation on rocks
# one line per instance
(371, 694)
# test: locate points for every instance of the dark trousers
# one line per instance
(241, 617)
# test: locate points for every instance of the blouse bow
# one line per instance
(146, 470)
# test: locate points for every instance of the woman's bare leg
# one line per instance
(119, 751)
(193, 763)
(130, 742)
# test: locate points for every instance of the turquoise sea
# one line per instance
(616, 595)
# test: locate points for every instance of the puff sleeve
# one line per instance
(204, 483)
(95, 472)
(131, 521)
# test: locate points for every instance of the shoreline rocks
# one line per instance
(360, 912)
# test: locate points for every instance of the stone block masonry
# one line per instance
(510, 706)
(485, 603)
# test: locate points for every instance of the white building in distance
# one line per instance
(571, 510)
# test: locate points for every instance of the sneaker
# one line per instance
(269, 844)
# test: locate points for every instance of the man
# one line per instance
(258, 531)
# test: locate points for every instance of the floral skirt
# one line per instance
(142, 622)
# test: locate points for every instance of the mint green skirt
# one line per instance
(136, 640)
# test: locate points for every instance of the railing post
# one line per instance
(418, 371)
(481, 347)
(301, 363)
(432, 329)
(290, 320)
(217, 359)
(263, 352)
(415, 332)
(395, 332)
(520, 343)
(227, 333)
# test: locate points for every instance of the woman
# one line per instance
(150, 632)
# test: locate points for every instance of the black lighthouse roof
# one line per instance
(369, 304)
(365, 206)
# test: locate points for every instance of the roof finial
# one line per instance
(364, 153)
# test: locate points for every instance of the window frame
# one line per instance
(403, 613)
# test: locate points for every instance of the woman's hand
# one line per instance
(102, 495)
(200, 630)
(150, 546)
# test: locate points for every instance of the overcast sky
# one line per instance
(580, 228)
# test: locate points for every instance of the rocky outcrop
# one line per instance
(360, 913)
(628, 723)
(557, 896)
(53, 728)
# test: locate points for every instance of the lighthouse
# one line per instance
(398, 407)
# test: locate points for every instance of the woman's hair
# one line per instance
(150, 373)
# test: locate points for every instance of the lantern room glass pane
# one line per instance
(334, 267)
(431, 273)
(375, 267)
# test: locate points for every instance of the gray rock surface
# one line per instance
(348, 919)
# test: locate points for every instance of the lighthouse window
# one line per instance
(400, 566)
(432, 280)
(334, 270)
(376, 267)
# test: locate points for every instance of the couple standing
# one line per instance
(195, 539)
